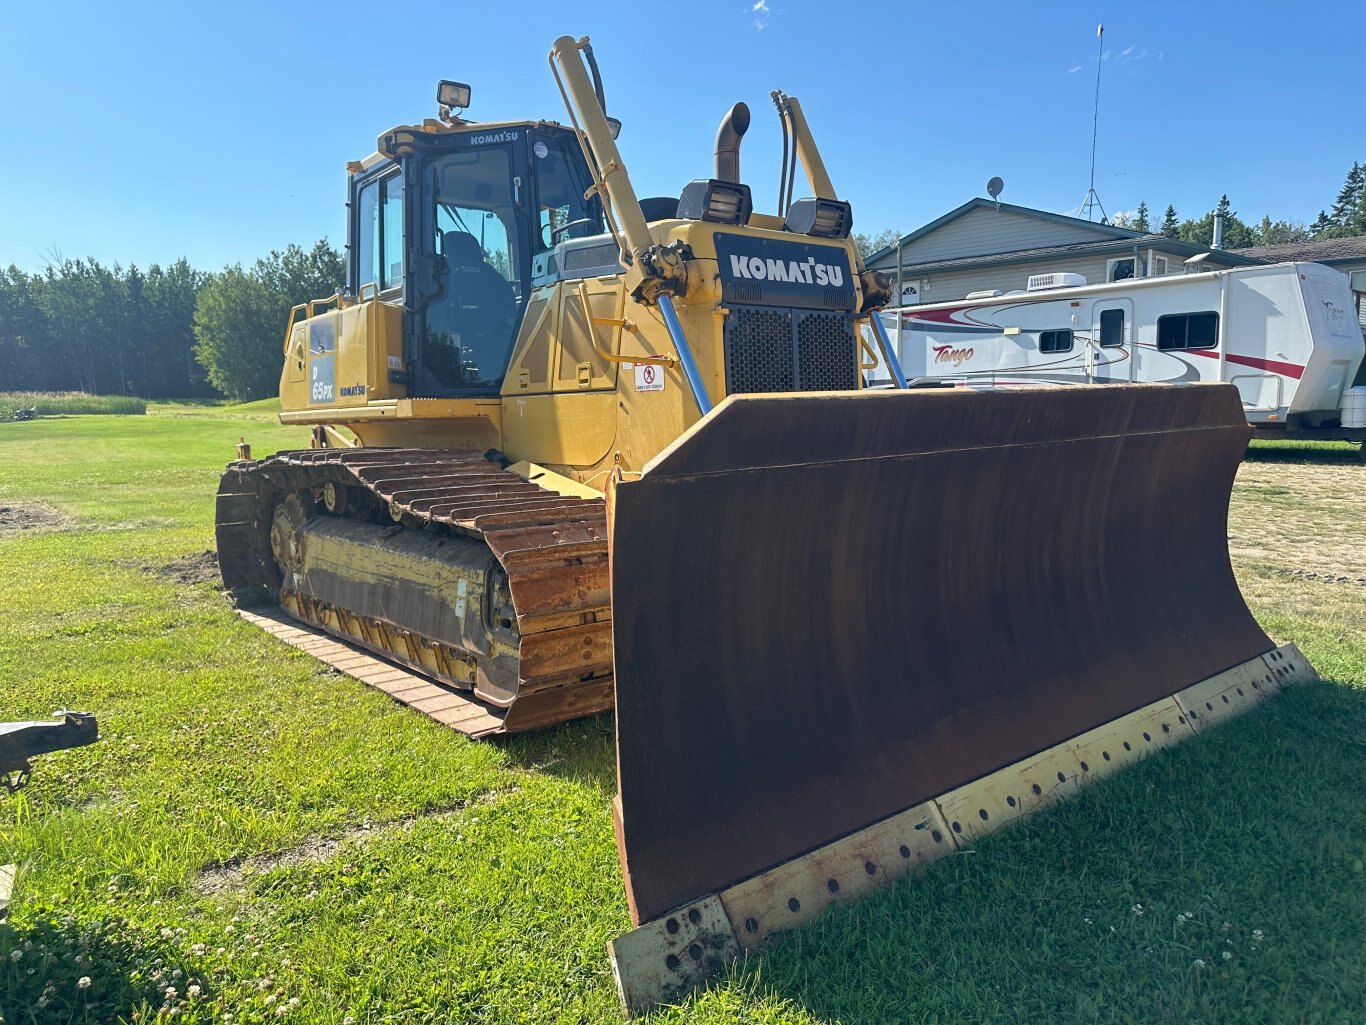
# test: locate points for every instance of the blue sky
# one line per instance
(141, 132)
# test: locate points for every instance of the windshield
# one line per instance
(477, 236)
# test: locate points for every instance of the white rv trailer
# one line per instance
(1285, 335)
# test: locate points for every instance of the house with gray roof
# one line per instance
(1347, 255)
(984, 245)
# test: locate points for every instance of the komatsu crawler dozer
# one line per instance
(576, 450)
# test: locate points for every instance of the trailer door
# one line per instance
(1110, 351)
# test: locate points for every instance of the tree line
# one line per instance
(1346, 218)
(163, 332)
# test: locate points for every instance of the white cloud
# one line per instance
(1128, 55)
(1135, 53)
(761, 12)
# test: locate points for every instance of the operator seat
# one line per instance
(475, 315)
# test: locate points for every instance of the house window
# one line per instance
(1055, 341)
(1121, 270)
(1188, 331)
(1111, 328)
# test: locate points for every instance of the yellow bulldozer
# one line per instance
(576, 450)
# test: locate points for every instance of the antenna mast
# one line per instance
(1091, 203)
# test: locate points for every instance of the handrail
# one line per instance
(868, 351)
(289, 324)
(888, 353)
(625, 324)
(310, 309)
(335, 298)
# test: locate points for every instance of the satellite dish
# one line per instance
(994, 188)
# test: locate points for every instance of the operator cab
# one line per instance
(448, 222)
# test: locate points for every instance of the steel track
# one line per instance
(552, 548)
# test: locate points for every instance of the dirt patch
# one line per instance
(1300, 519)
(18, 517)
(229, 876)
(199, 568)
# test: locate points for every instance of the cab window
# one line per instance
(392, 226)
(488, 226)
(379, 233)
(367, 235)
(561, 180)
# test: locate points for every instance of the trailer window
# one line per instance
(1111, 328)
(1055, 341)
(1188, 331)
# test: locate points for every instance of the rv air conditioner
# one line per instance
(1040, 282)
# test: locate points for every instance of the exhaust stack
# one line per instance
(1218, 242)
(733, 127)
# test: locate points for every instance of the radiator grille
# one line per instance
(827, 353)
(780, 350)
(759, 351)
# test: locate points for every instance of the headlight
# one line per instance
(707, 199)
(455, 95)
(824, 218)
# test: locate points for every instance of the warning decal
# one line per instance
(649, 377)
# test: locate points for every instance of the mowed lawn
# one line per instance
(256, 838)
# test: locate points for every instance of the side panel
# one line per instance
(560, 430)
(1337, 342)
(339, 360)
(1267, 340)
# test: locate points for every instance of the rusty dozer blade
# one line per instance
(831, 608)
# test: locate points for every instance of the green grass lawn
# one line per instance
(258, 837)
(261, 409)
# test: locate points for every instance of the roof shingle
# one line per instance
(1311, 252)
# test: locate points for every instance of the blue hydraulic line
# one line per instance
(884, 343)
(699, 391)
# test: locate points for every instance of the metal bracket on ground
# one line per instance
(664, 960)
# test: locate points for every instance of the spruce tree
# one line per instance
(1321, 224)
(1140, 221)
(1350, 198)
(1170, 224)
